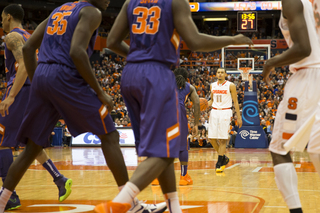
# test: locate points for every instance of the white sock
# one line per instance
(172, 201)
(127, 194)
(315, 158)
(134, 202)
(287, 182)
(4, 197)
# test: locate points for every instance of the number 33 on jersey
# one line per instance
(152, 33)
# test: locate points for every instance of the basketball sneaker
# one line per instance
(225, 161)
(185, 180)
(13, 202)
(141, 207)
(112, 207)
(220, 166)
(155, 182)
(64, 186)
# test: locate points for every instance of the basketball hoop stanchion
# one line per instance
(251, 134)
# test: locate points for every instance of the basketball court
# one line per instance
(246, 186)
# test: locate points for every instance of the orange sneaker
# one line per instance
(185, 180)
(155, 182)
(110, 207)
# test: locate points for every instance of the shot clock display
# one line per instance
(247, 21)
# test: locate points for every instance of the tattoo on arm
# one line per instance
(15, 44)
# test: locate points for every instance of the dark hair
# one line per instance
(15, 10)
(181, 77)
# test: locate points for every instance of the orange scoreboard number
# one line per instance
(247, 21)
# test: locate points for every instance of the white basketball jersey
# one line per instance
(313, 60)
(221, 95)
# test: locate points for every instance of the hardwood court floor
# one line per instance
(246, 186)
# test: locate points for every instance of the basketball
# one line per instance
(203, 104)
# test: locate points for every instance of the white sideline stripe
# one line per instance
(298, 165)
(257, 169)
(174, 131)
(234, 165)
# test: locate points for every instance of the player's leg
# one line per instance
(223, 127)
(185, 178)
(287, 180)
(284, 170)
(214, 143)
(17, 170)
(64, 184)
(168, 186)
(223, 160)
(6, 159)
(114, 158)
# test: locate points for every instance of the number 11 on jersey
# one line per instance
(219, 98)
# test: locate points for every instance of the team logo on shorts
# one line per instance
(244, 134)
(91, 138)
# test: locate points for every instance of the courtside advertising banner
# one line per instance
(89, 139)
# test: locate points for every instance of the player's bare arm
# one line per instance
(293, 11)
(198, 41)
(196, 103)
(14, 42)
(89, 21)
(233, 91)
(30, 47)
(211, 96)
(119, 33)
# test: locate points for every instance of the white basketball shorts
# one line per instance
(219, 124)
(300, 100)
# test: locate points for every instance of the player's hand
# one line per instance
(195, 131)
(4, 106)
(239, 120)
(106, 100)
(241, 39)
(266, 72)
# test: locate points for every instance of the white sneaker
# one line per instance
(142, 207)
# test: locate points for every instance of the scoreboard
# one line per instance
(247, 21)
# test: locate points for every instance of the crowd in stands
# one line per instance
(109, 71)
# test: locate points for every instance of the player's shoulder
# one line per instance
(12, 39)
(12, 35)
(231, 85)
(90, 12)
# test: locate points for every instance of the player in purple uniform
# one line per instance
(186, 90)
(149, 90)
(15, 101)
(63, 84)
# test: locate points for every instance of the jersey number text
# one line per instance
(143, 14)
(59, 24)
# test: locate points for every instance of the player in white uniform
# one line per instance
(298, 26)
(222, 94)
